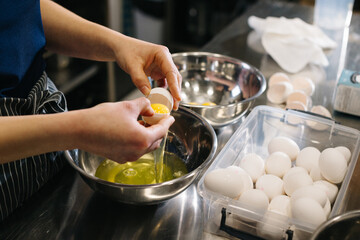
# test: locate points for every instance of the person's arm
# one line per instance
(69, 34)
(110, 130)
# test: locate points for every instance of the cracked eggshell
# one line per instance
(272, 185)
(254, 165)
(278, 77)
(333, 165)
(321, 110)
(279, 92)
(308, 158)
(285, 145)
(304, 84)
(162, 96)
(278, 163)
(299, 96)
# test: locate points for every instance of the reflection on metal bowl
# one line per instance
(343, 226)
(190, 137)
(231, 84)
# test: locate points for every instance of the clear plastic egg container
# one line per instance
(228, 217)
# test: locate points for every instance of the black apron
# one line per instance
(21, 178)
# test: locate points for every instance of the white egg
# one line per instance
(299, 96)
(272, 226)
(308, 158)
(278, 77)
(224, 181)
(330, 189)
(345, 151)
(296, 181)
(279, 92)
(333, 165)
(294, 170)
(304, 84)
(309, 211)
(312, 192)
(255, 199)
(254, 165)
(272, 185)
(281, 205)
(315, 174)
(284, 144)
(321, 110)
(278, 163)
(245, 177)
(327, 208)
(162, 96)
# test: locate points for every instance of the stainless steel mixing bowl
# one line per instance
(231, 84)
(190, 137)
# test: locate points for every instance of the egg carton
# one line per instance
(229, 217)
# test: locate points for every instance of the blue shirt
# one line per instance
(22, 41)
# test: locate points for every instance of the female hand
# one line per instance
(112, 130)
(142, 59)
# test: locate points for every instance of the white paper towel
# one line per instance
(292, 43)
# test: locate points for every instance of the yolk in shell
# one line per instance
(160, 108)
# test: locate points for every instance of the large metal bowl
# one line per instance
(231, 84)
(190, 137)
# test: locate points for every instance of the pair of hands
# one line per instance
(114, 131)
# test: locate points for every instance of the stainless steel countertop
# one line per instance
(66, 208)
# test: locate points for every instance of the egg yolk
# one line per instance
(209, 104)
(160, 108)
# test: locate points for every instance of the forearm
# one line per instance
(69, 34)
(24, 136)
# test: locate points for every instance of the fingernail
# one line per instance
(145, 90)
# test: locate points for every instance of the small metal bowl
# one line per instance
(343, 226)
(231, 84)
(190, 137)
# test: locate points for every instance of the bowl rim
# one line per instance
(193, 174)
(235, 60)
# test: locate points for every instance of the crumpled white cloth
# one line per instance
(292, 43)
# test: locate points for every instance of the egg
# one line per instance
(255, 198)
(308, 158)
(304, 84)
(299, 96)
(224, 181)
(285, 145)
(245, 177)
(294, 170)
(296, 181)
(312, 192)
(160, 100)
(308, 210)
(278, 163)
(254, 165)
(279, 92)
(330, 189)
(321, 110)
(272, 185)
(327, 208)
(280, 204)
(333, 165)
(315, 174)
(278, 77)
(345, 151)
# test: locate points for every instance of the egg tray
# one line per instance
(228, 217)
